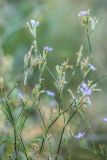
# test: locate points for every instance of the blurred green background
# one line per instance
(60, 29)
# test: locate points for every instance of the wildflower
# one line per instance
(34, 23)
(32, 27)
(84, 13)
(92, 67)
(48, 49)
(84, 17)
(21, 95)
(85, 89)
(50, 93)
(79, 135)
(105, 119)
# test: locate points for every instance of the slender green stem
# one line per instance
(11, 157)
(63, 130)
(27, 117)
(22, 110)
(46, 132)
(23, 147)
(89, 40)
(7, 116)
(62, 104)
(99, 79)
(62, 133)
(90, 48)
(15, 143)
(42, 117)
(11, 119)
(52, 75)
(85, 118)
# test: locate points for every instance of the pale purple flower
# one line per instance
(21, 95)
(34, 23)
(50, 93)
(48, 49)
(105, 119)
(92, 67)
(79, 135)
(85, 89)
(84, 13)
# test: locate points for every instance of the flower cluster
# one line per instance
(48, 49)
(32, 25)
(84, 17)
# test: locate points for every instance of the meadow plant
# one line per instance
(50, 141)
